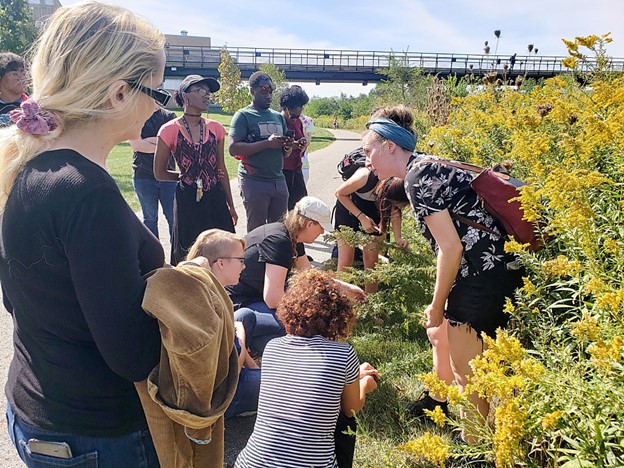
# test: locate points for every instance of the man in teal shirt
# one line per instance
(258, 139)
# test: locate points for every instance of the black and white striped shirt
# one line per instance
(302, 383)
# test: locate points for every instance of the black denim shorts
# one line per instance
(478, 301)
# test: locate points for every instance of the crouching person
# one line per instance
(186, 395)
(312, 384)
(223, 252)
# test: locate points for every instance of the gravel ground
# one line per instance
(324, 179)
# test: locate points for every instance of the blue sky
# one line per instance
(459, 26)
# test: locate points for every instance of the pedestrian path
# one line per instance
(324, 180)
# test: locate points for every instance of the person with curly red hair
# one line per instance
(312, 385)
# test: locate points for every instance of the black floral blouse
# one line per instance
(432, 187)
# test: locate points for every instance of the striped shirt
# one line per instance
(302, 383)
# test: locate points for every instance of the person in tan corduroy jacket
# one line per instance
(186, 395)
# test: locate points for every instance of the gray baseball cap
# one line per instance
(190, 80)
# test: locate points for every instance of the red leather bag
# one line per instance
(496, 189)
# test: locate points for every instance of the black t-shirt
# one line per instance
(269, 243)
(143, 163)
(432, 187)
(72, 256)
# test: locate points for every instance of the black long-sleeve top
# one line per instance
(72, 256)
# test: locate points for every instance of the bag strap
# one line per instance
(460, 165)
(478, 170)
(497, 169)
(474, 224)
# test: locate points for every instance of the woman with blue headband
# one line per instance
(474, 275)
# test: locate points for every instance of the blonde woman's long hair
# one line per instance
(82, 50)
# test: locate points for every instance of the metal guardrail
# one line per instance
(371, 61)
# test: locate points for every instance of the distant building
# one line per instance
(188, 51)
(184, 51)
(183, 39)
(41, 9)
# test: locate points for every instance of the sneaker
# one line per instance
(416, 409)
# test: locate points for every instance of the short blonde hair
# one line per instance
(214, 244)
(82, 50)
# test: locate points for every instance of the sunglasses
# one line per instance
(201, 91)
(159, 95)
(266, 88)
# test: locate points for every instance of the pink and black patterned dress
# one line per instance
(195, 213)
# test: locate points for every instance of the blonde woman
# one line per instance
(73, 254)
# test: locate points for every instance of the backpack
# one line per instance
(496, 189)
(351, 162)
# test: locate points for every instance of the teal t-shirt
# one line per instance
(250, 125)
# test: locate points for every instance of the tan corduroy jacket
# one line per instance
(186, 395)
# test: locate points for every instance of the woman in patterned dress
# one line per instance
(474, 274)
(203, 197)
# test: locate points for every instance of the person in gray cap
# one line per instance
(203, 198)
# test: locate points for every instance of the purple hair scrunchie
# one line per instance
(30, 118)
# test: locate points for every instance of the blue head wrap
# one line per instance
(393, 132)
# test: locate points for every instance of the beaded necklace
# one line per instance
(198, 147)
(201, 133)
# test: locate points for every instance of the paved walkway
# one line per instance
(324, 180)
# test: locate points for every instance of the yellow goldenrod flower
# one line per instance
(611, 301)
(512, 246)
(528, 287)
(605, 354)
(510, 422)
(561, 266)
(550, 420)
(594, 285)
(430, 447)
(586, 329)
(437, 416)
(509, 306)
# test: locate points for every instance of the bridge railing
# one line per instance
(352, 60)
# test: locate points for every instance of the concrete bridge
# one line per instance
(325, 65)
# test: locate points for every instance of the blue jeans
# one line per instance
(247, 392)
(131, 450)
(261, 325)
(150, 192)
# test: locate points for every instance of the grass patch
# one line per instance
(119, 161)
(383, 424)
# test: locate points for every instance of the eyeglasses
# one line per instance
(159, 95)
(266, 88)
(240, 259)
(202, 92)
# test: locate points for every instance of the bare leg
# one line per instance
(346, 256)
(464, 345)
(370, 255)
(438, 337)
